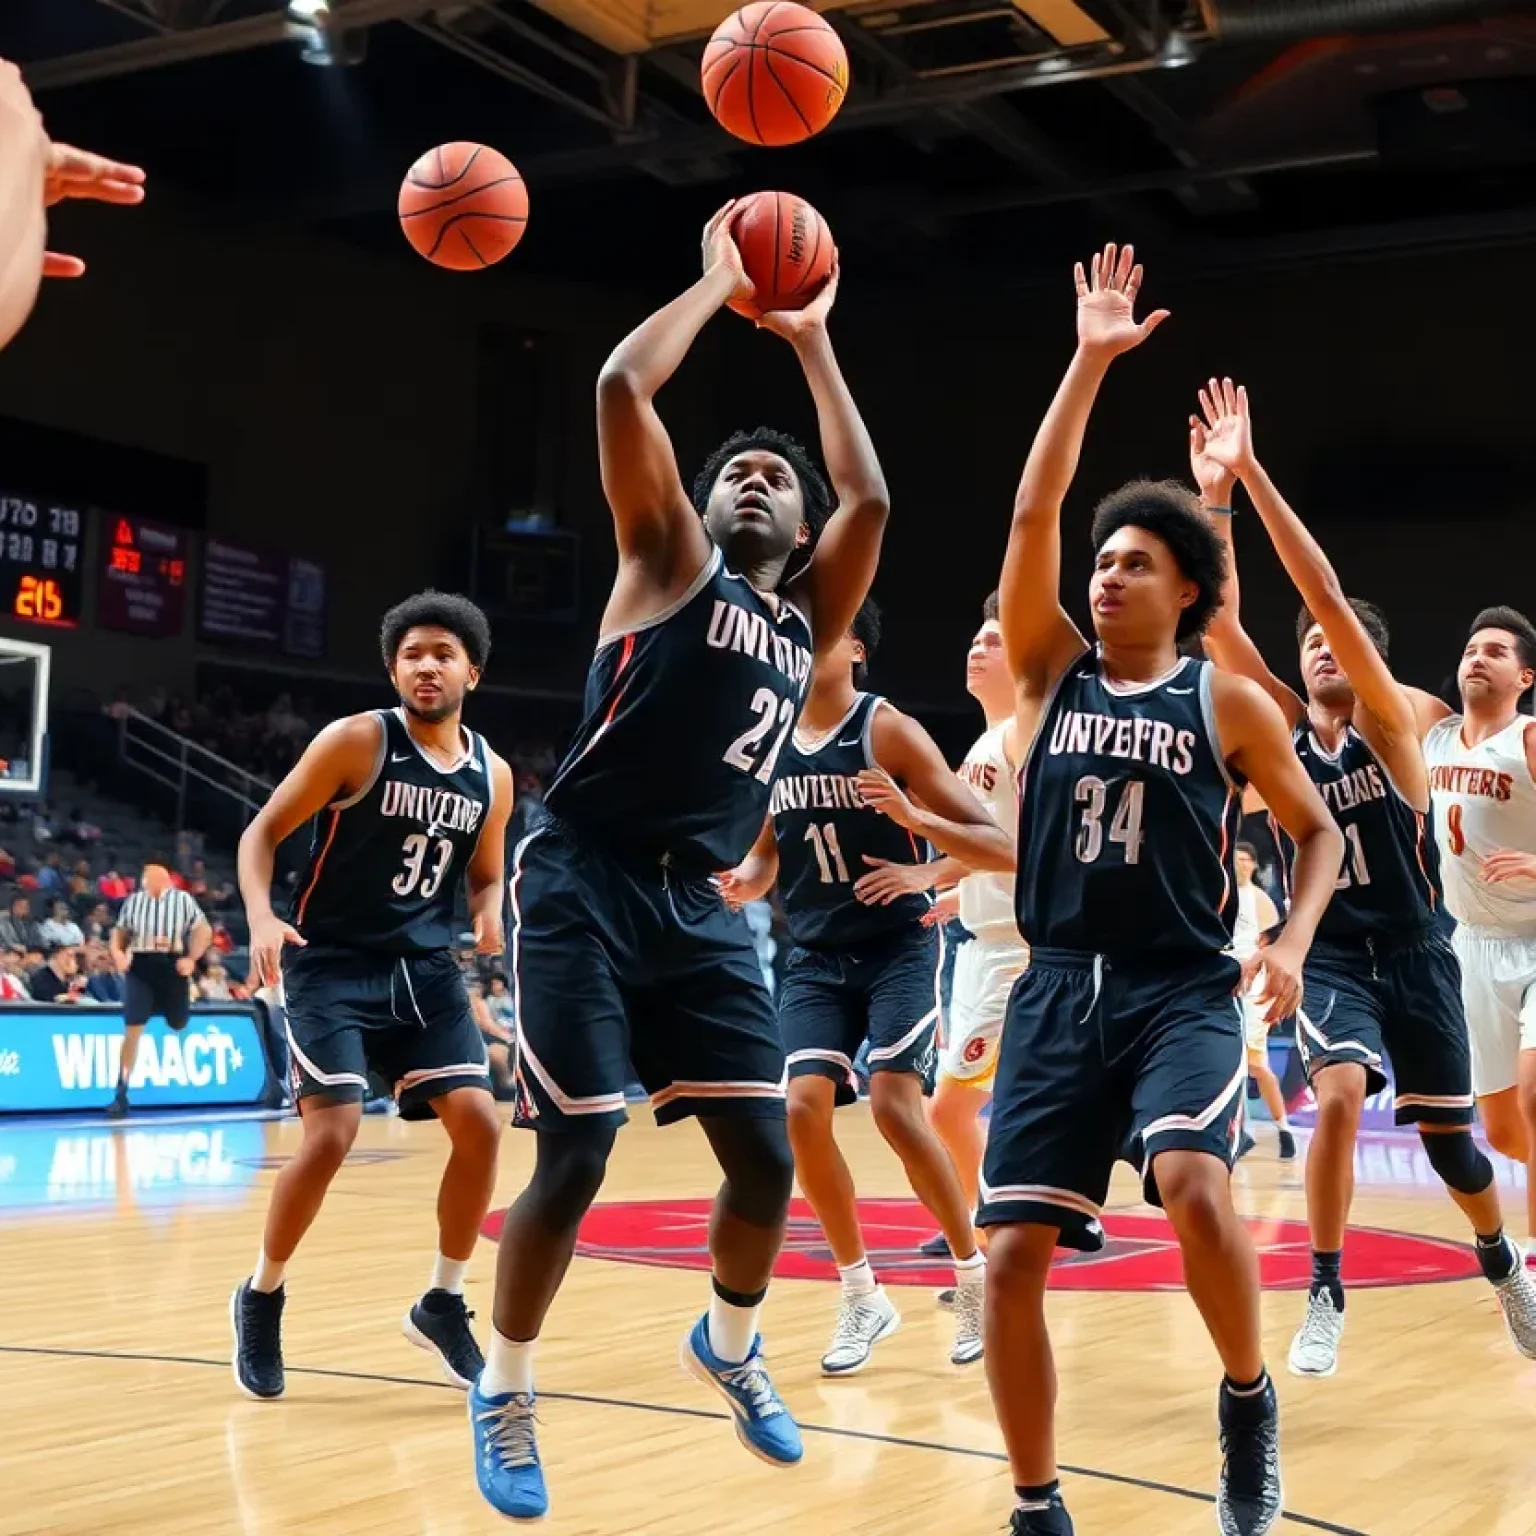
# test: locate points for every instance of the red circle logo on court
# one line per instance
(1140, 1252)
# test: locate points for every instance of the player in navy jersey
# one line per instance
(1383, 976)
(1124, 1039)
(861, 787)
(622, 949)
(406, 804)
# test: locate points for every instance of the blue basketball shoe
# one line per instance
(763, 1423)
(507, 1454)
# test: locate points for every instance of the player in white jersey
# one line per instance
(1482, 776)
(1256, 915)
(988, 964)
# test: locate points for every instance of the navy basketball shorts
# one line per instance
(1104, 1060)
(617, 961)
(154, 988)
(884, 990)
(405, 1017)
(1399, 997)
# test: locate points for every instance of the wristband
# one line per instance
(1216, 511)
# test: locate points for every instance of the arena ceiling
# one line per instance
(976, 131)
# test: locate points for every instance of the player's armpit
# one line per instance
(1256, 743)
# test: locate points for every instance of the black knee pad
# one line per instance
(1458, 1160)
(568, 1172)
(759, 1167)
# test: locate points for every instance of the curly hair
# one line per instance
(1372, 620)
(1169, 510)
(816, 497)
(866, 629)
(990, 609)
(437, 610)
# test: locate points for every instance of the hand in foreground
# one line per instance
(732, 890)
(795, 324)
(1106, 303)
(76, 174)
(1505, 864)
(1280, 992)
(887, 882)
(1227, 430)
(721, 253)
(268, 935)
(489, 939)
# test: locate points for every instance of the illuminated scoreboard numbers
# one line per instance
(40, 560)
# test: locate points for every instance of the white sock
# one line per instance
(971, 1271)
(268, 1274)
(508, 1367)
(858, 1279)
(1530, 1252)
(448, 1275)
(731, 1330)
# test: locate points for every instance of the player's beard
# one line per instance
(444, 709)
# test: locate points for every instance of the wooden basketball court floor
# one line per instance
(119, 1247)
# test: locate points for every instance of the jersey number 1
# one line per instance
(409, 879)
(768, 707)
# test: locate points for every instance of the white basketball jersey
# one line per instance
(1483, 800)
(986, 900)
(1245, 930)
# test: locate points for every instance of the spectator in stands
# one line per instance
(105, 983)
(13, 988)
(498, 1000)
(61, 928)
(113, 886)
(7, 865)
(98, 922)
(50, 875)
(18, 928)
(59, 979)
(213, 987)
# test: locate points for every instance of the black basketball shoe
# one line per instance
(257, 1320)
(1250, 1498)
(936, 1247)
(440, 1322)
(1048, 1519)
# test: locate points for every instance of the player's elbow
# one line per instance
(619, 384)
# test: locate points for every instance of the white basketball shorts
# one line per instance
(984, 976)
(1498, 987)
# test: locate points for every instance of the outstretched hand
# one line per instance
(792, 324)
(1106, 303)
(1227, 431)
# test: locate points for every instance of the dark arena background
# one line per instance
(260, 419)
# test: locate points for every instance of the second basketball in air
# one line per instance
(774, 73)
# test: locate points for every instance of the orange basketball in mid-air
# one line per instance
(786, 248)
(774, 73)
(463, 206)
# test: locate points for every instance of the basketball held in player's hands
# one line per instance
(774, 73)
(786, 249)
(463, 206)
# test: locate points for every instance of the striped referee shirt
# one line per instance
(159, 925)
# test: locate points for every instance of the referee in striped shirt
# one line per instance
(160, 936)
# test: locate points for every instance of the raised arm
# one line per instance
(337, 763)
(654, 520)
(1039, 640)
(1227, 643)
(936, 805)
(1257, 744)
(485, 879)
(842, 566)
(1376, 689)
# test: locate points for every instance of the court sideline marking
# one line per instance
(1308, 1521)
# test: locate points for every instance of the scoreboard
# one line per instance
(143, 577)
(41, 567)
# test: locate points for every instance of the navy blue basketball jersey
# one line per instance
(1127, 818)
(824, 832)
(385, 863)
(687, 717)
(1390, 882)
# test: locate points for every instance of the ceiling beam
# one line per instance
(206, 42)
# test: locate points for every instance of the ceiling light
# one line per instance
(310, 12)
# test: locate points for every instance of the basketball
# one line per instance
(463, 206)
(786, 248)
(774, 73)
